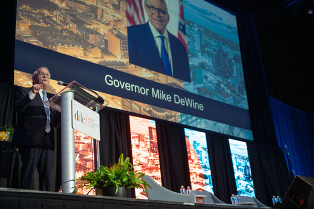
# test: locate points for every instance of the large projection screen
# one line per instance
(108, 46)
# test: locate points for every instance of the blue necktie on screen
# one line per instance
(165, 57)
(45, 99)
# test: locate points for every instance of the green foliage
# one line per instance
(119, 175)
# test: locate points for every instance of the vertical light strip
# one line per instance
(242, 168)
(84, 158)
(199, 165)
(145, 149)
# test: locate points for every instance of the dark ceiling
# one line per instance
(286, 34)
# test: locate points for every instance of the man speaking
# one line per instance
(153, 47)
(33, 133)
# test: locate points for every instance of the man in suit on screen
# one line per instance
(152, 46)
(33, 134)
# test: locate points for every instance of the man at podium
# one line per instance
(33, 133)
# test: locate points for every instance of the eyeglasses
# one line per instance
(44, 74)
(153, 10)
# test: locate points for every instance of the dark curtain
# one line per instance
(7, 42)
(221, 166)
(295, 130)
(256, 87)
(172, 155)
(115, 138)
(7, 95)
(9, 161)
(269, 171)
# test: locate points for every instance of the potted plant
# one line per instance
(119, 175)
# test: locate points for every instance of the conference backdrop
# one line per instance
(101, 45)
(145, 155)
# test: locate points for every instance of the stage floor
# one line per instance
(29, 199)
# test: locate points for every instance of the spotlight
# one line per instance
(310, 11)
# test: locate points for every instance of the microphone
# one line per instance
(99, 98)
(61, 83)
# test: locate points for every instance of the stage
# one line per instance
(30, 199)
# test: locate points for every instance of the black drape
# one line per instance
(7, 42)
(7, 95)
(115, 136)
(221, 166)
(269, 171)
(173, 156)
(256, 87)
(9, 161)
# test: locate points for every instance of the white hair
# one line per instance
(36, 72)
(145, 1)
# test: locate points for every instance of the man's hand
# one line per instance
(36, 88)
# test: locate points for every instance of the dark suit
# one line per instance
(35, 145)
(143, 52)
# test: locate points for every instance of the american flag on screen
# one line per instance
(181, 31)
(134, 12)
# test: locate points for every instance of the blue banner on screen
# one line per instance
(116, 49)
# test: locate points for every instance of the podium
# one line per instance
(63, 102)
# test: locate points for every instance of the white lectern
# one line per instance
(62, 102)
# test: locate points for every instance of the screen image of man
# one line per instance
(33, 134)
(153, 47)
